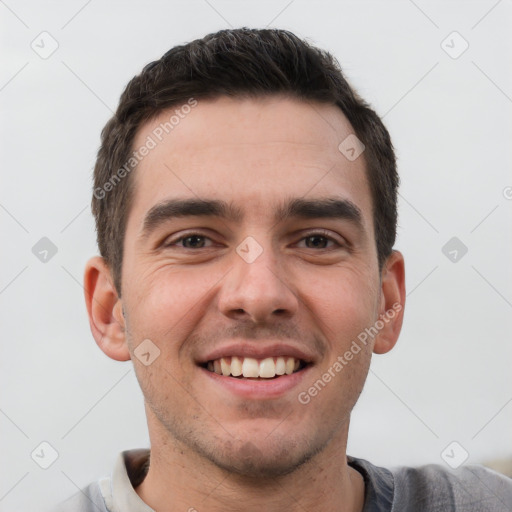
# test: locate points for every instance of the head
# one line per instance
(232, 222)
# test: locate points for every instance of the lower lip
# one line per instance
(260, 389)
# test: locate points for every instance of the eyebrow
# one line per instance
(173, 208)
(325, 208)
(300, 208)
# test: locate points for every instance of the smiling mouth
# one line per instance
(251, 368)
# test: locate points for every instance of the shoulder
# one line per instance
(433, 487)
(88, 499)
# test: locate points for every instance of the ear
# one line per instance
(105, 310)
(392, 303)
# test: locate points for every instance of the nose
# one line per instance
(257, 291)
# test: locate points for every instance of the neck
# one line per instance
(180, 479)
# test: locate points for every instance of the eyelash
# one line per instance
(318, 233)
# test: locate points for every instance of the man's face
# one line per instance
(281, 266)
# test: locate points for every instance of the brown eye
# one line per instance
(193, 242)
(190, 240)
(318, 241)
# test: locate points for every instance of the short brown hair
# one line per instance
(237, 63)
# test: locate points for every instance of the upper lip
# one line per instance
(257, 350)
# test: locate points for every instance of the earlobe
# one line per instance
(392, 303)
(105, 310)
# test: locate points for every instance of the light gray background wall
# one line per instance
(448, 378)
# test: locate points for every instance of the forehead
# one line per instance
(252, 152)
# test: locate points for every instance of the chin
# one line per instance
(265, 460)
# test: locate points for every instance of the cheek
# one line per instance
(166, 303)
(344, 303)
(342, 307)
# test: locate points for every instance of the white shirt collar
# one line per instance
(120, 496)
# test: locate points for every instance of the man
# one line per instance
(246, 203)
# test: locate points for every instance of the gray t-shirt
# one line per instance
(430, 488)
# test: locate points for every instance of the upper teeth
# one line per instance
(250, 367)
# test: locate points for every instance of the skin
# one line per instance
(211, 449)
